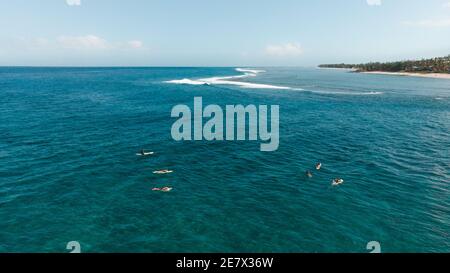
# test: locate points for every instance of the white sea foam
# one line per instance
(187, 81)
(345, 93)
(251, 71)
(231, 80)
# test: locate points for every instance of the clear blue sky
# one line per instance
(220, 32)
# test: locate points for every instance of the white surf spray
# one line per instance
(233, 80)
(187, 81)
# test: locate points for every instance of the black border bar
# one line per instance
(221, 262)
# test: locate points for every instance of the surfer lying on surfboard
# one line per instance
(164, 189)
(144, 153)
(163, 171)
(337, 181)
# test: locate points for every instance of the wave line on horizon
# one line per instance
(229, 80)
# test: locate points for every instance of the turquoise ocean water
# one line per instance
(68, 169)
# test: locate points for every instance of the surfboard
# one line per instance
(165, 189)
(162, 172)
(145, 154)
(337, 183)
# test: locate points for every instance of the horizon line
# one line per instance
(152, 66)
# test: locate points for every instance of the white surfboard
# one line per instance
(162, 172)
(337, 183)
(145, 154)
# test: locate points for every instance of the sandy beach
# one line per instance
(423, 75)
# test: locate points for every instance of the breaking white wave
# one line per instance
(345, 93)
(231, 80)
(187, 81)
(250, 71)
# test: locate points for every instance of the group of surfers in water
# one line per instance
(164, 171)
(334, 182)
(309, 174)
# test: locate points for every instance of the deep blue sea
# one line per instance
(69, 170)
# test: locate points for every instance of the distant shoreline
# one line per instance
(436, 68)
(404, 74)
(338, 68)
(410, 74)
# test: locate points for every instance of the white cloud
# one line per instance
(41, 42)
(83, 42)
(73, 2)
(289, 49)
(135, 44)
(373, 2)
(428, 23)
